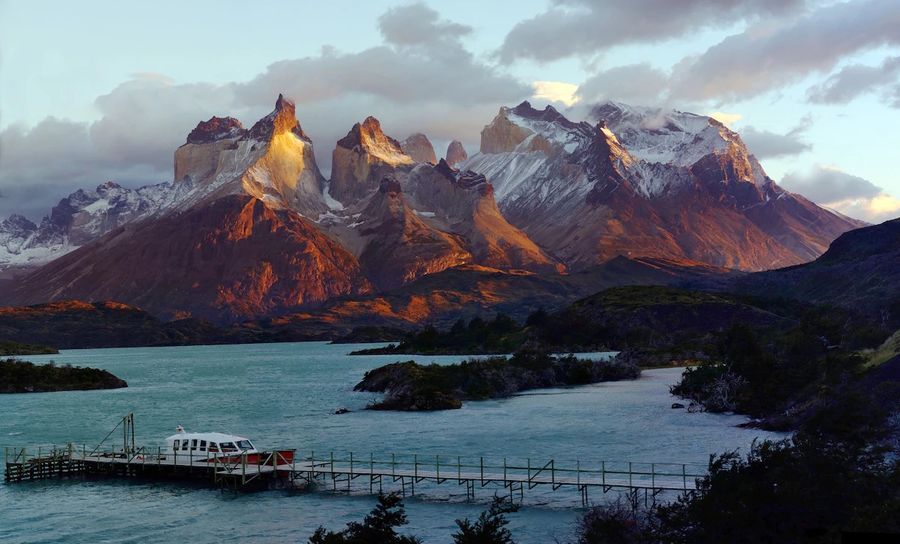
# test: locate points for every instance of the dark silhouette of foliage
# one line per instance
(489, 528)
(379, 527)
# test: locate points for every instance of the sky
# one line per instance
(100, 90)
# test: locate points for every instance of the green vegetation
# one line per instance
(24, 377)
(886, 351)
(500, 335)
(380, 526)
(8, 347)
(780, 373)
(411, 386)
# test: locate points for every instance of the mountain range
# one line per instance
(250, 228)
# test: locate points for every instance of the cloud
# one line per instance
(417, 24)
(40, 165)
(421, 80)
(828, 184)
(633, 83)
(848, 194)
(765, 144)
(770, 55)
(725, 118)
(555, 91)
(854, 80)
(587, 27)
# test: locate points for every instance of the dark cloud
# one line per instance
(767, 144)
(771, 55)
(854, 80)
(586, 27)
(634, 83)
(826, 185)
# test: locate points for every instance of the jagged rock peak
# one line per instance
(17, 223)
(465, 180)
(369, 138)
(456, 153)
(419, 147)
(366, 133)
(444, 168)
(390, 186)
(548, 114)
(282, 119)
(217, 128)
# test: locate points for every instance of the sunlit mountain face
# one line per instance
(250, 227)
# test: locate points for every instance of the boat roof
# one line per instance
(209, 437)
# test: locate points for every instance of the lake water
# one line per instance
(284, 395)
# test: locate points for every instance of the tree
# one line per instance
(379, 527)
(489, 528)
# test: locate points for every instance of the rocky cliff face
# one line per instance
(399, 245)
(229, 259)
(463, 202)
(362, 159)
(419, 147)
(456, 153)
(272, 161)
(645, 183)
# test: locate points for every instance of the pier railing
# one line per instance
(526, 471)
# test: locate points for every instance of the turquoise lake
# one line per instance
(284, 395)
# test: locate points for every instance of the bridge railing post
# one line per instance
(630, 473)
(603, 472)
(684, 476)
(482, 470)
(394, 465)
(653, 475)
(504, 470)
(416, 465)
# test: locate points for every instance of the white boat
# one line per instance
(208, 445)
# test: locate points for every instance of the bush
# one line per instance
(379, 527)
(489, 528)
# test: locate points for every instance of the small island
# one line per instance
(8, 347)
(24, 377)
(409, 386)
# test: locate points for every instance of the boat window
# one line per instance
(184, 445)
(194, 444)
(203, 445)
(228, 446)
(213, 446)
(175, 445)
(245, 445)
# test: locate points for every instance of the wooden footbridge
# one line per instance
(352, 472)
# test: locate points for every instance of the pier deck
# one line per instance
(339, 471)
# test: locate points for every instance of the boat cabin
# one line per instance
(207, 444)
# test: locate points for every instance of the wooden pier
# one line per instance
(351, 472)
(373, 473)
